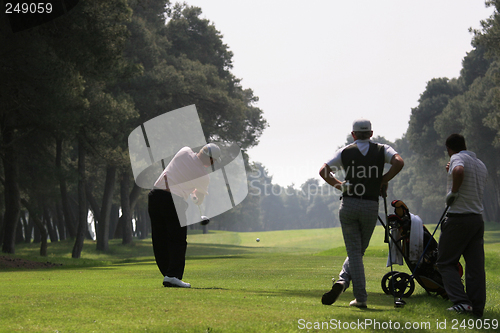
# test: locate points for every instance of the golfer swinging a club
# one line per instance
(363, 164)
(185, 176)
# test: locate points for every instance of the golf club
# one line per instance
(428, 243)
(386, 238)
(398, 302)
(204, 220)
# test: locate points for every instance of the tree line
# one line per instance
(469, 104)
(71, 91)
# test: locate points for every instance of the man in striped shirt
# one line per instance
(463, 229)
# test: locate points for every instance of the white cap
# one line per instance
(213, 151)
(361, 125)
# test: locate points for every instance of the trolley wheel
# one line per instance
(386, 282)
(404, 285)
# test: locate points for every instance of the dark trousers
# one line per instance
(463, 235)
(169, 238)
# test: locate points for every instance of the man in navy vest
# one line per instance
(362, 162)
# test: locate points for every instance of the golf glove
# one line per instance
(451, 198)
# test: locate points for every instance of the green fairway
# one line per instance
(239, 285)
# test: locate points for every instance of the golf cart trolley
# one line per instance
(398, 228)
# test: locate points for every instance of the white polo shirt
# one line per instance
(185, 173)
(470, 194)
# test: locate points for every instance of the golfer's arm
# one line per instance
(397, 164)
(200, 196)
(326, 173)
(458, 178)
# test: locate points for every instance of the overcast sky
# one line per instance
(319, 65)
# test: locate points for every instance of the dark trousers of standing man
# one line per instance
(169, 238)
(462, 234)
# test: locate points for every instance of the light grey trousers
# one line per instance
(463, 235)
(358, 219)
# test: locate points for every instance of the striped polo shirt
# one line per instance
(470, 194)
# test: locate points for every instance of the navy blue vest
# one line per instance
(364, 172)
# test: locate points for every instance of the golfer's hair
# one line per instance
(363, 135)
(456, 142)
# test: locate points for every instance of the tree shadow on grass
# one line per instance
(107, 260)
(375, 299)
(208, 257)
(134, 261)
(315, 295)
(207, 249)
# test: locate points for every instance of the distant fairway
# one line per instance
(305, 241)
(299, 241)
(239, 285)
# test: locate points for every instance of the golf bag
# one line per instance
(423, 270)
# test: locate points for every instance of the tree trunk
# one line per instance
(51, 227)
(68, 217)
(40, 227)
(496, 209)
(60, 221)
(31, 229)
(491, 199)
(138, 224)
(148, 223)
(114, 219)
(37, 237)
(142, 224)
(82, 202)
(125, 204)
(1, 217)
(134, 196)
(119, 227)
(104, 218)
(94, 207)
(27, 229)
(19, 230)
(11, 189)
